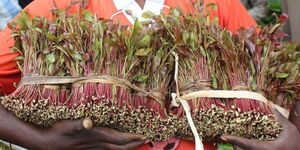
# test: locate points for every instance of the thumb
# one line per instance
(280, 118)
(244, 143)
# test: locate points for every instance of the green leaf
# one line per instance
(274, 28)
(61, 37)
(192, 36)
(39, 30)
(144, 41)
(50, 69)
(143, 52)
(253, 85)
(51, 37)
(141, 78)
(291, 92)
(78, 56)
(253, 70)
(137, 27)
(23, 20)
(19, 58)
(15, 35)
(281, 75)
(175, 12)
(87, 15)
(185, 36)
(225, 147)
(215, 82)
(51, 58)
(212, 5)
(163, 19)
(148, 15)
(202, 51)
(224, 85)
(156, 61)
(271, 70)
(216, 20)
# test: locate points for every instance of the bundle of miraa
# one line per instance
(78, 66)
(122, 77)
(211, 58)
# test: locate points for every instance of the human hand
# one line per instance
(288, 140)
(80, 135)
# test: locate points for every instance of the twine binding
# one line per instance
(54, 82)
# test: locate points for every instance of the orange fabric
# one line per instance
(9, 74)
(231, 14)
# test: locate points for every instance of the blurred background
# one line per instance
(262, 11)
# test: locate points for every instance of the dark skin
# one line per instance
(65, 135)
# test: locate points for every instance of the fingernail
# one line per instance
(143, 138)
(87, 123)
(270, 104)
(223, 138)
(296, 108)
(146, 142)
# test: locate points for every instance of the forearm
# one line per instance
(16, 131)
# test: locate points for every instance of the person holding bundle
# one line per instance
(80, 134)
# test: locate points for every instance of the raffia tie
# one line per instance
(54, 82)
(236, 93)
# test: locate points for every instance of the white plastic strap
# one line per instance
(198, 140)
(186, 108)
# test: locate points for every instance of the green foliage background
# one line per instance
(274, 6)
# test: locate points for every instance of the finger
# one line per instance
(244, 143)
(295, 115)
(288, 127)
(67, 126)
(72, 126)
(128, 146)
(115, 137)
(280, 118)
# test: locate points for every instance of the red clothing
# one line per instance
(231, 15)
